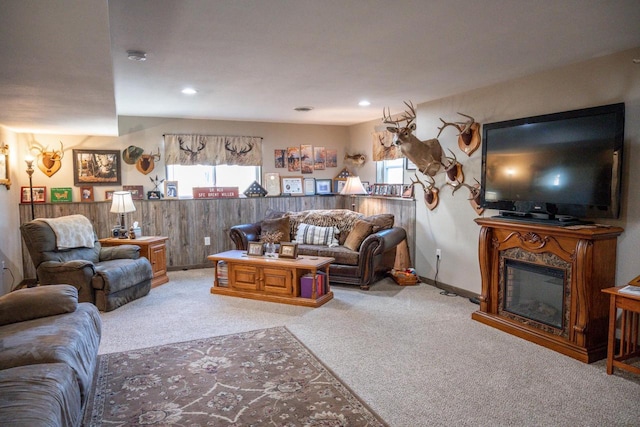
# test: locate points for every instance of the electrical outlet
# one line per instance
(207, 241)
(438, 254)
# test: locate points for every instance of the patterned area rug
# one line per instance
(258, 378)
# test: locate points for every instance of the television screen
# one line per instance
(565, 163)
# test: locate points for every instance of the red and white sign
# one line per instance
(214, 192)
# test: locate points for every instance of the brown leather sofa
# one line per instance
(367, 263)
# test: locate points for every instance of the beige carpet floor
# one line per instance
(412, 354)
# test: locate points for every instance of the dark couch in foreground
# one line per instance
(48, 356)
(364, 247)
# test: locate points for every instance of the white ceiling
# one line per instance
(64, 68)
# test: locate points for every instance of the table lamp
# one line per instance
(121, 204)
(353, 187)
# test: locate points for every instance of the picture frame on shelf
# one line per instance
(154, 195)
(272, 183)
(292, 185)
(309, 186)
(97, 167)
(255, 249)
(61, 195)
(409, 165)
(108, 195)
(323, 187)
(288, 250)
(86, 193)
(367, 186)
(407, 191)
(137, 191)
(338, 185)
(39, 194)
(171, 189)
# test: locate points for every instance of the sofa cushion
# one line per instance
(360, 231)
(314, 235)
(45, 394)
(271, 227)
(380, 221)
(42, 301)
(70, 338)
(341, 254)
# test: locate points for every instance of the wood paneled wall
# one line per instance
(187, 222)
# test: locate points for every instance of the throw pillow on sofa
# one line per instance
(273, 226)
(361, 230)
(314, 235)
(380, 221)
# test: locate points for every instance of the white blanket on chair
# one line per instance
(72, 231)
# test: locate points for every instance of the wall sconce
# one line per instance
(4, 166)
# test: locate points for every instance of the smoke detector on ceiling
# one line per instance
(136, 55)
(303, 109)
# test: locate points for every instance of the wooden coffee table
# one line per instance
(270, 279)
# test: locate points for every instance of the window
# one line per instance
(212, 176)
(391, 171)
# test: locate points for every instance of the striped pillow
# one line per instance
(314, 235)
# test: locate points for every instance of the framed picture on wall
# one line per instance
(97, 167)
(272, 183)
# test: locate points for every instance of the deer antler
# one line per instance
(464, 127)
(407, 116)
(234, 150)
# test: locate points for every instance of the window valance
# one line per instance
(213, 150)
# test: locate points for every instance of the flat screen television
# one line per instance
(556, 166)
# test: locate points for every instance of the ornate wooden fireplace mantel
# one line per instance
(585, 259)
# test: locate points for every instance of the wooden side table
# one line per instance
(153, 248)
(629, 329)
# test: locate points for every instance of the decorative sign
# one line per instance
(61, 195)
(214, 192)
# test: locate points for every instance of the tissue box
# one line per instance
(137, 232)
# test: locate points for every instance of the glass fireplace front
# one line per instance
(535, 292)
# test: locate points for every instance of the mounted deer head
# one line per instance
(49, 161)
(426, 155)
(430, 191)
(453, 170)
(146, 162)
(468, 133)
(474, 193)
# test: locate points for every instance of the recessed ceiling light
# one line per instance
(364, 103)
(189, 91)
(136, 55)
(303, 109)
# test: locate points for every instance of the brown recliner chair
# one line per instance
(107, 277)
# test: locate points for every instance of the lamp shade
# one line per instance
(122, 202)
(353, 186)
